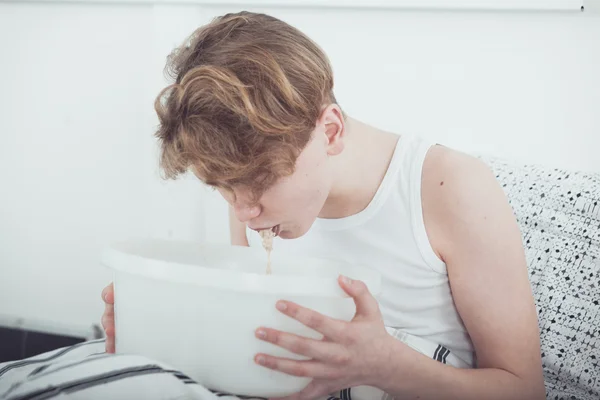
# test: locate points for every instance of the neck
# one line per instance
(359, 169)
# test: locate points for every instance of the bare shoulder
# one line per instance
(454, 169)
(459, 192)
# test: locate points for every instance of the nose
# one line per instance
(245, 212)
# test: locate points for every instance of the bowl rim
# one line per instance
(120, 260)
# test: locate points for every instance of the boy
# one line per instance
(252, 113)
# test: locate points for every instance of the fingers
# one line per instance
(110, 344)
(108, 318)
(312, 369)
(313, 349)
(108, 322)
(108, 294)
(366, 305)
(328, 327)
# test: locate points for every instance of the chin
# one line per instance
(293, 233)
(288, 235)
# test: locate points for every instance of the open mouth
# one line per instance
(276, 229)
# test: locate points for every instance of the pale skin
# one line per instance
(471, 228)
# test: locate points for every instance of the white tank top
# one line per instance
(389, 236)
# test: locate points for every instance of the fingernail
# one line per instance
(261, 333)
(281, 306)
(347, 280)
(261, 360)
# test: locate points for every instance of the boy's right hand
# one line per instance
(108, 318)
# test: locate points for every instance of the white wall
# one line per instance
(78, 160)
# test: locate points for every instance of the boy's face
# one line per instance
(293, 204)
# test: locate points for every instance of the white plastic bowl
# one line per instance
(196, 307)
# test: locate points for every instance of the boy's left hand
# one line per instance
(350, 353)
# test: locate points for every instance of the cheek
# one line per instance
(301, 202)
(302, 195)
(315, 196)
(322, 184)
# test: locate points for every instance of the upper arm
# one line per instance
(473, 229)
(237, 230)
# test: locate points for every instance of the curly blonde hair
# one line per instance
(248, 89)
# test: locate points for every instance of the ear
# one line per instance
(331, 123)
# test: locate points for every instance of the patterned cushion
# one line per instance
(559, 215)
